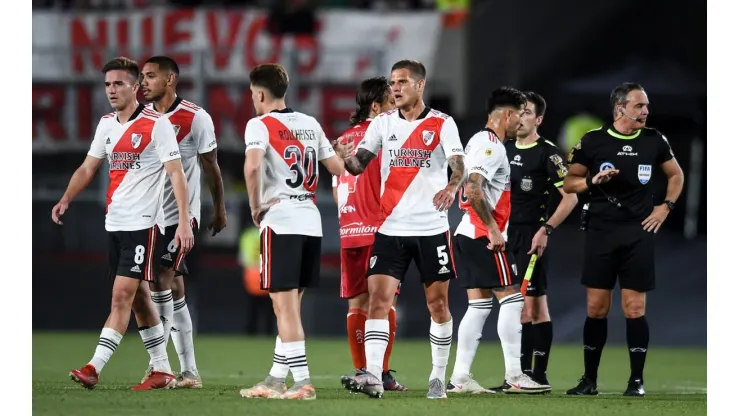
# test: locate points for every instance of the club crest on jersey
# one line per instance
(427, 136)
(606, 165)
(526, 184)
(177, 129)
(373, 259)
(644, 172)
(135, 140)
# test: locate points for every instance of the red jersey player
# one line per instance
(358, 200)
(485, 267)
(196, 139)
(140, 146)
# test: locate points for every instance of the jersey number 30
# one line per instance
(302, 166)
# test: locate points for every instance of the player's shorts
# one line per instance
(354, 268)
(134, 254)
(626, 251)
(481, 268)
(519, 243)
(173, 257)
(392, 256)
(288, 261)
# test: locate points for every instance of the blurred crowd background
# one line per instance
(573, 52)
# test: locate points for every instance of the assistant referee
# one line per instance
(614, 165)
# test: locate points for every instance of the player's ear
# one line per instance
(538, 121)
(421, 84)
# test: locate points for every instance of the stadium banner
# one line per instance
(215, 50)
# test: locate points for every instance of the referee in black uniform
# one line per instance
(615, 165)
(537, 171)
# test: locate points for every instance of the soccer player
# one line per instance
(358, 200)
(140, 146)
(537, 168)
(197, 142)
(417, 143)
(485, 265)
(281, 171)
(614, 164)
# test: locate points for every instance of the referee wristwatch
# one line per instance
(548, 228)
(670, 204)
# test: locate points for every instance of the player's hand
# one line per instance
(344, 148)
(496, 240)
(444, 199)
(604, 176)
(258, 214)
(218, 221)
(59, 209)
(184, 238)
(539, 243)
(656, 218)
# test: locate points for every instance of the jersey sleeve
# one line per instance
(556, 169)
(373, 139)
(334, 181)
(204, 133)
(97, 147)
(665, 153)
(485, 160)
(165, 140)
(579, 153)
(256, 135)
(325, 149)
(450, 139)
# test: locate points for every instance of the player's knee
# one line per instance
(597, 308)
(633, 306)
(122, 298)
(178, 288)
(438, 308)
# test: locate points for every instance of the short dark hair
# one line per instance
(373, 90)
(539, 103)
(274, 77)
(124, 64)
(164, 62)
(416, 68)
(620, 92)
(505, 97)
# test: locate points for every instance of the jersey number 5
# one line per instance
(303, 167)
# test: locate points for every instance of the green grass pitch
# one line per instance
(675, 381)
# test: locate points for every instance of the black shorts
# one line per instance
(392, 256)
(288, 261)
(481, 268)
(134, 253)
(519, 243)
(173, 257)
(626, 251)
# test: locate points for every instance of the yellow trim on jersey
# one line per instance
(525, 146)
(558, 184)
(622, 136)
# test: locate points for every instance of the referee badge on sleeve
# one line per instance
(644, 172)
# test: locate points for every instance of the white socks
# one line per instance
(107, 344)
(440, 338)
(280, 367)
(165, 308)
(377, 335)
(154, 342)
(295, 355)
(182, 336)
(510, 332)
(469, 335)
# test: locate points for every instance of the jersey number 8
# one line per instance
(303, 167)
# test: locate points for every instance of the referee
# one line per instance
(615, 165)
(537, 170)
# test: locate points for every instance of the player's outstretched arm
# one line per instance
(357, 163)
(79, 181)
(180, 188)
(334, 165)
(212, 171)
